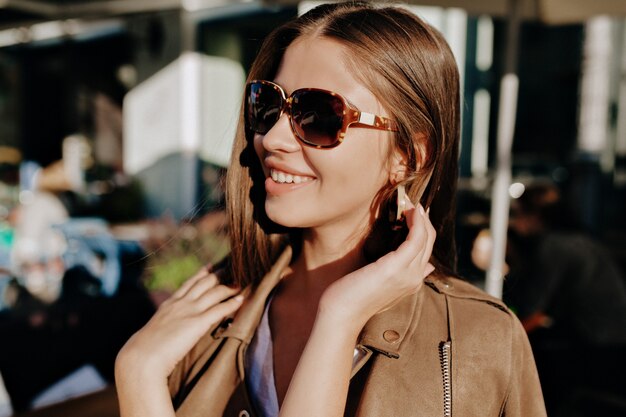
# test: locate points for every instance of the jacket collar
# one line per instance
(383, 333)
(386, 331)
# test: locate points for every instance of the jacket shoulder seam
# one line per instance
(447, 288)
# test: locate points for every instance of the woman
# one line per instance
(351, 113)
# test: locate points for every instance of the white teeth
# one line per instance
(285, 178)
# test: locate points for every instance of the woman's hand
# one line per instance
(355, 298)
(178, 324)
(150, 355)
(319, 386)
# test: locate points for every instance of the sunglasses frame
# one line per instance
(351, 115)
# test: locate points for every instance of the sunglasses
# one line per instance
(318, 118)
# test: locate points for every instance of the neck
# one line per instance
(328, 253)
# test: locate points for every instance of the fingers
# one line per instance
(202, 273)
(415, 252)
(219, 311)
(417, 238)
(203, 293)
(215, 295)
(424, 255)
(430, 268)
(430, 242)
(199, 288)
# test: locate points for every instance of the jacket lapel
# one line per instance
(384, 333)
(249, 315)
(220, 387)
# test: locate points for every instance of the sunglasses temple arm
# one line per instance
(367, 119)
(370, 119)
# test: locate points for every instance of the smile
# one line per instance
(286, 178)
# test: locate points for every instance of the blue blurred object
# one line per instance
(4, 284)
(28, 175)
(90, 244)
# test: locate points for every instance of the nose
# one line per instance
(280, 137)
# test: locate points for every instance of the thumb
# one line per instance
(429, 269)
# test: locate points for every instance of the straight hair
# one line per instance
(410, 68)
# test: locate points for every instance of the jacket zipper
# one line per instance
(444, 355)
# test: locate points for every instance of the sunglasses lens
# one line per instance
(262, 107)
(317, 117)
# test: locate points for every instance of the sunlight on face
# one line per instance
(336, 186)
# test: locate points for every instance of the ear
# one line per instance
(399, 161)
(398, 168)
(421, 146)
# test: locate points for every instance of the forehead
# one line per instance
(318, 62)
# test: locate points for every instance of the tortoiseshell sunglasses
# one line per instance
(318, 118)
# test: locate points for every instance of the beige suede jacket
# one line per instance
(449, 350)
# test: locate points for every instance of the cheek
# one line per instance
(359, 168)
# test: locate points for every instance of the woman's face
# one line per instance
(336, 186)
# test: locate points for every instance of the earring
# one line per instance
(401, 202)
(396, 209)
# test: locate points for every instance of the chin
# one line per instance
(285, 219)
(287, 216)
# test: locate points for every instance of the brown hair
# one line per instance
(409, 67)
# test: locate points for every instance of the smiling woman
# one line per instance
(349, 130)
(349, 174)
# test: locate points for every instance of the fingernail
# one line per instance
(428, 211)
(238, 298)
(421, 209)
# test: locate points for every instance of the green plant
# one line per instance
(182, 256)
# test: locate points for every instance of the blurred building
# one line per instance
(155, 87)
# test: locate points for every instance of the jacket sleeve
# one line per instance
(524, 397)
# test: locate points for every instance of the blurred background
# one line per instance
(116, 122)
